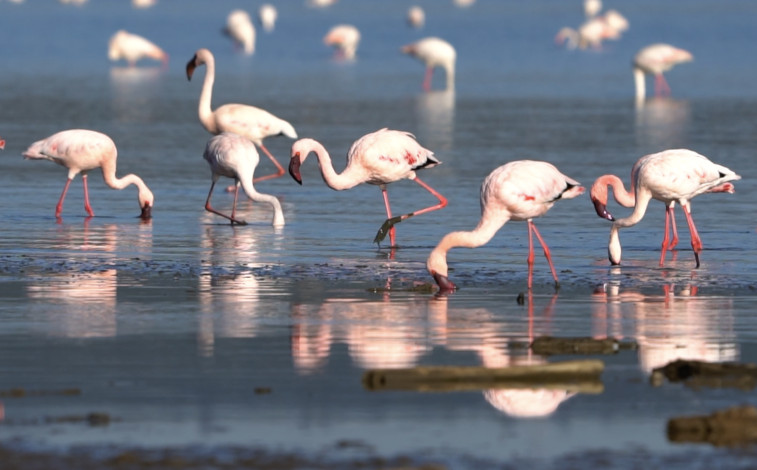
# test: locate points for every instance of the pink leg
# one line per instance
(392, 231)
(279, 171)
(696, 242)
(546, 251)
(234, 205)
(530, 259)
(87, 207)
(661, 86)
(209, 208)
(389, 223)
(59, 207)
(427, 78)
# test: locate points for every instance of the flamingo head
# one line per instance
(2, 143)
(410, 49)
(294, 167)
(598, 195)
(201, 57)
(300, 151)
(146, 201)
(445, 285)
(437, 267)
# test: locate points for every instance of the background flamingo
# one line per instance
(267, 15)
(655, 60)
(240, 29)
(235, 157)
(434, 52)
(519, 190)
(670, 176)
(380, 158)
(248, 121)
(416, 17)
(345, 38)
(82, 150)
(131, 48)
(2, 143)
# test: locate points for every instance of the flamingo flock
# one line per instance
(521, 190)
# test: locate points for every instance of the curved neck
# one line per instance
(203, 110)
(622, 196)
(486, 229)
(333, 179)
(249, 189)
(640, 85)
(450, 69)
(109, 175)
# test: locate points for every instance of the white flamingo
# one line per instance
(434, 52)
(240, 29)
(267, 15)
(132, 47)
(345, 38)
(655, 60)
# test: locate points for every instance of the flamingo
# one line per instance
(2, 143)
(519, 190)
(345, 38)
(434, 52)
(379, 158)
(240, 29)
(143, 3)
(655, 60)
(234, 156)
(592, 8)
(82, 150)
(670, 176)
(132, 48)
(248, 121)
(416, 17)
(267, 15)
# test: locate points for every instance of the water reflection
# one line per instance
(436, 119)
(662, 123)
(134, 92)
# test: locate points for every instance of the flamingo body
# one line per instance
(434, 52)
(671, 176)
(416, 17)
(345, 38)
(132, 48)
(234, 156)
(379, 158)
(82, 150)
(520, 190)
(655, 60)
(240, 29)
(267, 15)
(248, 121)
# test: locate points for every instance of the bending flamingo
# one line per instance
(380, 158)
(248, 121)
(519, 190)
(655, 60)
(235, 157)
(132, 48)
(434, 52)
(670, 176)
(240, 29)
(82, 150)
(345, 38)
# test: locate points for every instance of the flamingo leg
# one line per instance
(530, 259)
(661, 86)
(209, 208)
(392, 231)
(234, 205)
(59, 207)
(546, 251)
(87, 207)
(427, 78)
(279, 171)
(696, 242)
(391, 221)
(667, 244)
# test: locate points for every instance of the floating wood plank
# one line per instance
(549, 345)
(734, 426)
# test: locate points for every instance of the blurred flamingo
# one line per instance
(416, 17)
(248, 121)
(267, 15)
(345, 38)
(82, 150)
(234, 156)
(380, 158)
(670, 176)
(655, 60)
(2, 143)
(132, 48)
(519, 190)
(434, 52)
(592, 8)
(240, 29)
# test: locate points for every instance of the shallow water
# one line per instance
(188, 332)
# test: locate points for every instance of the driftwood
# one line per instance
(731, 427)
(549, 345)
(698, 374)
(573, 376)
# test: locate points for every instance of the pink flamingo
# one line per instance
(670, 176)
(655, 60)
(248, 121)
(234, 156)
(519, 190)
(131, 47)
(345, 38)
(2, 143)
(240, 29)
(82, 150)
(380, 158)
(434, 52)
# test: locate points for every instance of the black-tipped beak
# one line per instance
(146, 212)
(294, 168)
(602, 211)
(445, 285)
(191, 67)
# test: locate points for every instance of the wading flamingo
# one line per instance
(519, 190)
(380, 158)
(670, 176)
(240, 29)
(345, 38)
(434, 52)
(131, 48)
(234, 156)
(80, 151)
(655, 60)
(248, 121)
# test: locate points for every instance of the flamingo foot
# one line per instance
(386, 227)
(696, 257)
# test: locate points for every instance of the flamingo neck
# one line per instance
(487, 227)
(332, 179)
(249, 189)
(639, 84)
(622, 196)
(204, 110)
(450, 71)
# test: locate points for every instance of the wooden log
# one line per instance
(734, 426)
(698, 374)
(549, 345)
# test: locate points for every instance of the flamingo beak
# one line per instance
(146, 212)
(445, 285)
(191, 67)
(601, 209)
(294, 168)
(2, 144)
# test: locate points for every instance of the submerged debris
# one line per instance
(698, 374)
(731, 427)
(23, 393)
(549, 345)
